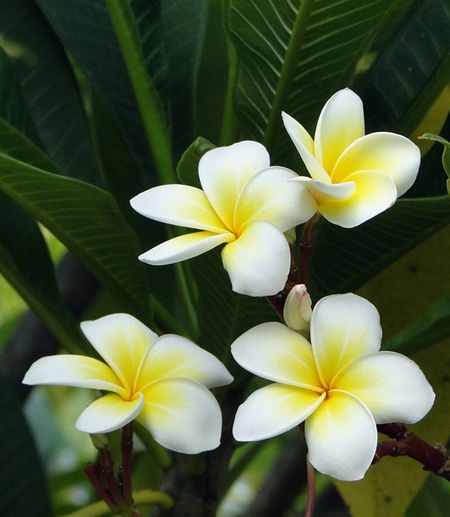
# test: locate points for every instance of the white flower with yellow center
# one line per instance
(341, 385)
(354, 176)
(245, 204)
(160, 381)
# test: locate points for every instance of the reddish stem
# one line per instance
(311, 489)
(94, 476)
(306, 245)
(105, 462)
(125, 471)
(406, 443)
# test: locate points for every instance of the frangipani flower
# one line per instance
(160, 381)
(297, 309)
(353, 177)
(244, 204)
(341, 385)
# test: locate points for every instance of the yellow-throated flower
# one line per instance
(341, 385)
(244, 204)
(354, 176)
(160, 381)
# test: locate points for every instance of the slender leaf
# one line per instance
(21, 476)
(187, 168)
(431, 328)
(86, 219)
(50, 90)
(343, 259)
(293, 55)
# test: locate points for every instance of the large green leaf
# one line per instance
(21, 476)
(78, 25)
(293, 55)
(343, 259)
(411, 70)
(49, 88)
(86, 219)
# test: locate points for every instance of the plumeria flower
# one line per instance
(244, 204)
(160, 381)
(341, 385)
(297, 309)
(354, 176)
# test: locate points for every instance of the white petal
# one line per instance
(258, 261)
(374, 193)
(180, 205)
(184, 247)
(224, 171)
(182, 416)
(389, 153)
(175, 356)
(342, 437)
(275, 352)
(391, 385)
(78, 371)
(122, 341)
(340, 123)
(109, 413)
(344, 327)
(304, 144)
(270, 196)
(273, 410)
(327, 192)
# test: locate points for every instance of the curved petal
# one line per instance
(305, 146)
(391, 385)
(181, 205)
(342, 437)
(109, 413)
(177, 357)
(340, 123)
(344, 327)
(224, 171)
(394, 155)
(327, 192)
(122, 341)
(77, 371)
(182, 416)
(258, 261)
(374, 193)
(275, 352)
(270, 196)
(273, 410)
(184, 247)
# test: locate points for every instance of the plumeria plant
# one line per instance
(231, 240)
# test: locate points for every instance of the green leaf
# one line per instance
(187, 168)
(432, 500)
(431, 328)
(49, 87)
(224, 315)
(343, 259)
(292, 57)
(80, 23)
(85, 219)
(411, 70)
(21, 476)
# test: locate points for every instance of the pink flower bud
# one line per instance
(297, 309)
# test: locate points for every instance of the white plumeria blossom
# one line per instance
(297, 309)
(341, 385)
(160, 381)
(354, 176)
(245, 204)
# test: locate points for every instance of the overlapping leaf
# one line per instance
(86, 219)
(343, 259)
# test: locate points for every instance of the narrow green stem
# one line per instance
(287, 70)
(123, 21)
(180, 273)
(140, 497)
(229, 121)
(165, 318)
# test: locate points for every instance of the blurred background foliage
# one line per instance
(99, 99)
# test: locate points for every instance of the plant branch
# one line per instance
(125, 470)
(406, 443)
(306, 246)
(311, 489)
(123, 21)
